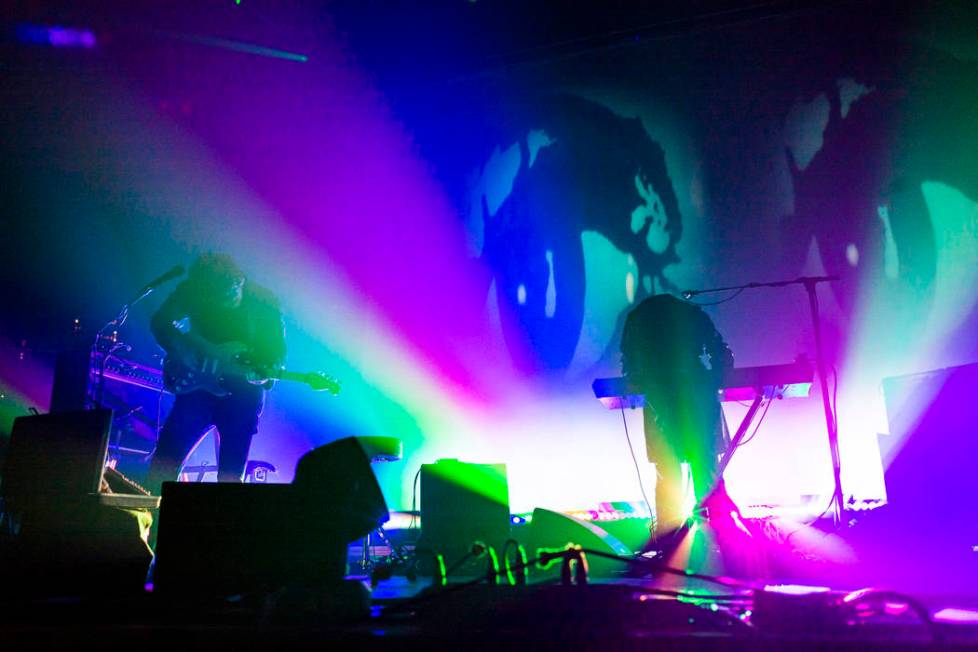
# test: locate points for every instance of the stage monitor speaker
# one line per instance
(228, 538)
(554, 530)
(934, 427)
(338, 483)
(462, 503)
(55, 457)
(67, 543)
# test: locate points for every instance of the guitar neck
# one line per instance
(316, 380)
(293, 376)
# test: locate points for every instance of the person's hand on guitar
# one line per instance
(257, 376)
(196, 364)
(214, 368)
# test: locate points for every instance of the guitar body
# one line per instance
(213, 371)
(217, 368)
(210, 375)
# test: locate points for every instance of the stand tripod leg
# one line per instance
(838, 501)
(741, 432)
(742, 429)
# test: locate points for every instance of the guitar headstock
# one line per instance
(320, 382)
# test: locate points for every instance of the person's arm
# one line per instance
(627, 348)
(635, 351)
(170, 323)
(268, 344)
(275, 354)
(174, 330)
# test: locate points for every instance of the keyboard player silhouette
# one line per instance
(674, 355)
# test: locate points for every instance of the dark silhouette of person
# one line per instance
(672, 351)
(215, 315)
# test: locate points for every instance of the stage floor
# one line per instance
(626, 613)
(773, 585)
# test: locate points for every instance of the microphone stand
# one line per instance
(809, 282)
(114, 323)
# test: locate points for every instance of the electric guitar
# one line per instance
(214, 368)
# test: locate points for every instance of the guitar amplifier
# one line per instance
(132, 390)
(462, 503)
(55, 458)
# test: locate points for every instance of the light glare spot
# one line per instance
(551, 306)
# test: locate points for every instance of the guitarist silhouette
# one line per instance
(225, 342)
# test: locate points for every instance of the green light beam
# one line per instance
(237, 46)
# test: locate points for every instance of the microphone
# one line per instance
(172, 273)
(120, 319)
(169, 275)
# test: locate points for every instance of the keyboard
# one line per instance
(792, 380)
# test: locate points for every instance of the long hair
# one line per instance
(213, 271)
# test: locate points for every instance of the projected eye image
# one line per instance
(579, 182)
